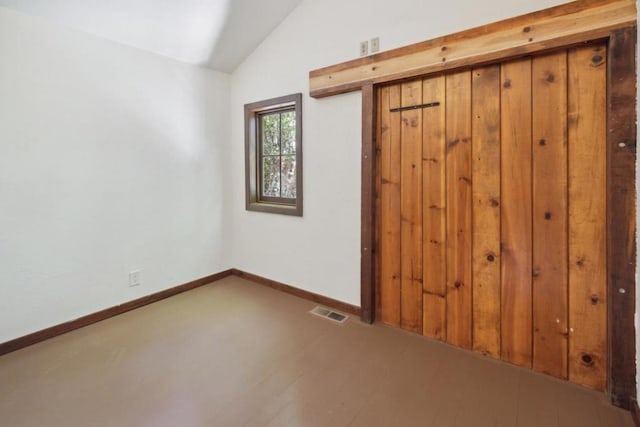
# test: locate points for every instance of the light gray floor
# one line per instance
(234, 353)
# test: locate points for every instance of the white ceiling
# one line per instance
(216, 33)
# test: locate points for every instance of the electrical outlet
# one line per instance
(134, 278)
(375, 45)
(364, 48)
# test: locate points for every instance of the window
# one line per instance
(273, 155)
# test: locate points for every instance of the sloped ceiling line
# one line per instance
(218, 34)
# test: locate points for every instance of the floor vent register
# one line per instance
(329, 314)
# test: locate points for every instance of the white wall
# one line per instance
(111, 159)
(321, 251)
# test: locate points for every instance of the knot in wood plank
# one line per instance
(587, 359)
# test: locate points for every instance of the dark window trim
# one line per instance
(253, 200)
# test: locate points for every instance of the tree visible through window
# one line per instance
(273, 155)
(278, 154)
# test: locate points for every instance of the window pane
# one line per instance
(288, 132)
(270, 133)
(289, 177)
(271, 176)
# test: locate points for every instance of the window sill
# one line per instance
(276, 208)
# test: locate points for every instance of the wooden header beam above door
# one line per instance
(555, 27)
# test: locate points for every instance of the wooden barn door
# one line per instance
(492, 211)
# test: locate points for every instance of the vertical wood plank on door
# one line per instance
(621, 214)
(516, 226)
(486, 209)
(433, 209)
(549, 76)
(411, 209)
(587, 216)
(458, 176)
(390, 206)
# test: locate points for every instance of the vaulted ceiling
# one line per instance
(219, 34)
